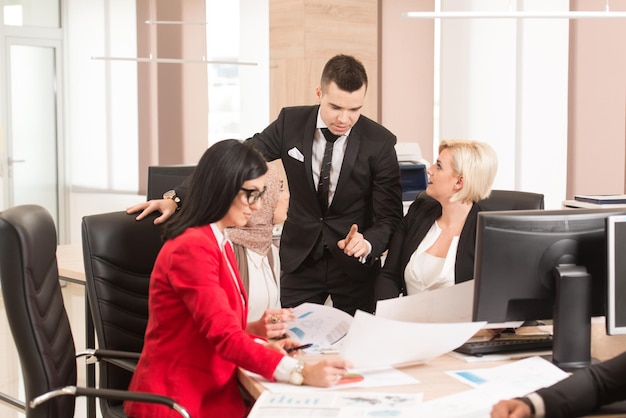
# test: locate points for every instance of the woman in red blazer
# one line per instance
(195, 338)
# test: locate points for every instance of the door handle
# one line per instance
(12, 161)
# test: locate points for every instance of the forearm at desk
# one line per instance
(587, 390)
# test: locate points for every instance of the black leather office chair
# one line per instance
(506, 200)
(162, 178)
(40, 326)
(512, 200)
(119, 253)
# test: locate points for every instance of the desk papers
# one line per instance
(335, 405)
(492, 385)
(321, 325)
(374, 342)
(371, 379)
(446, 304)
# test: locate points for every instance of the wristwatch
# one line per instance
(171, 194)
(296, 377)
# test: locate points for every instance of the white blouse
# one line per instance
(264, 284)
(427, 272)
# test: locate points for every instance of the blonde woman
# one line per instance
(434, 245)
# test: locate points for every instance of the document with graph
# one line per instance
(320, 325)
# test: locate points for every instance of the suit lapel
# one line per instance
(307, 146)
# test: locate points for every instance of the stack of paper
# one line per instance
(489, 386)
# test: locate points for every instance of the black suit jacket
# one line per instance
(419, 219)
(368, 191)
(587, 390)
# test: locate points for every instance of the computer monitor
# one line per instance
(616, 279)
(544, 264)
(413, 179)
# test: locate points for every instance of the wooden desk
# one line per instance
(72, 269)
(435, 383)
(71, 265)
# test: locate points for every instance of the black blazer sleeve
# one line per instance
(181, 189)
(587, 390)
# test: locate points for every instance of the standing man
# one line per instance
(334, 233)
(336, 229)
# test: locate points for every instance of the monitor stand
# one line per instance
(571, 346)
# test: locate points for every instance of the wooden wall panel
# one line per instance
(286, 28)
(304, 34)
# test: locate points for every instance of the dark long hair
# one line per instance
(215, 183)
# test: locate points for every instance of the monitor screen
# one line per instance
(543, 264)
(413, 179)
(616, 280)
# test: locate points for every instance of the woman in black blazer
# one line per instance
(434, 245)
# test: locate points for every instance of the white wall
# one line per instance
(504, 81)
(102, 97)
(83, 204)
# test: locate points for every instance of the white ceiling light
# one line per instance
(516, 15)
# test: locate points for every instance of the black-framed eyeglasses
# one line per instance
(253, 195)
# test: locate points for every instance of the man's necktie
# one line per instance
(322, 186)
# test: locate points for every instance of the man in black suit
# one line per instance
(580, 394)
(331, 244)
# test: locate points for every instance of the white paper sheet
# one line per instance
(321, 325)
(371, 379)
(335, 405)
(502, 382)
(446, 304)
(378, 342)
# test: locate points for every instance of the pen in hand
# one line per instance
(300, 347)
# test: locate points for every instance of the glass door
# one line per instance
(33, 145)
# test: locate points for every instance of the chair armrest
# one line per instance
(93, 356)
(128, 365)
(121, 395)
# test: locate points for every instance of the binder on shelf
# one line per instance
(604, 199)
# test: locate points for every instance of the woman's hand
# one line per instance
(272, 324)
(283, 345)
(326, 372)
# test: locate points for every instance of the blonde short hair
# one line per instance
(477, 163)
